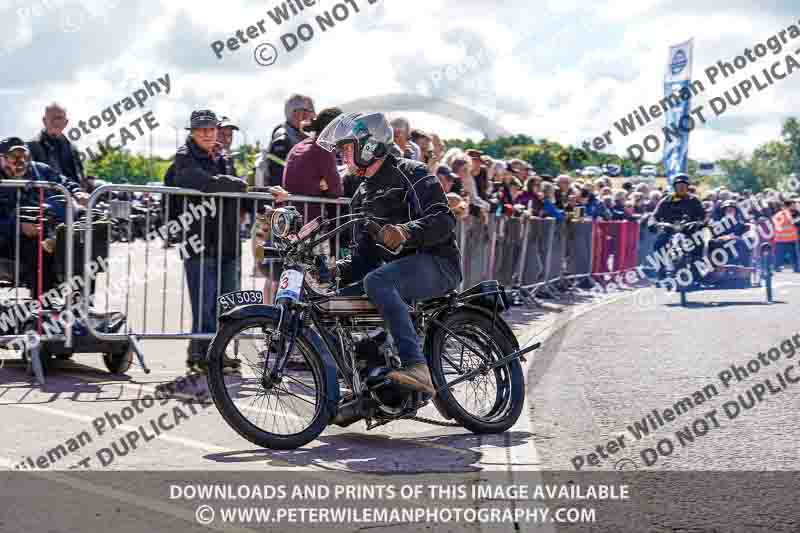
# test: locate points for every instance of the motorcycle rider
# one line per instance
(680, 206)
(733, 229)
(414, 256)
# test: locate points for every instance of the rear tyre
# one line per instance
(502, 389)
(766, 268)
(120, 361)
(254, 410)
(46, 358)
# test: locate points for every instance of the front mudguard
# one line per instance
(310, 335)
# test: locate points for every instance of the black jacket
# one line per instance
(405, 193)
(59, 154)
(672, 209)
(194, 169)
(283, 139)
(9, 197)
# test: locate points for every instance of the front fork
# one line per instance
(289, 328)
(288, 331)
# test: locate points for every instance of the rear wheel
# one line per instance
(492, 400)
(45, 357)
(766, 269)
(282, 413)
(120, 361)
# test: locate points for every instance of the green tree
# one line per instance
(245, 158)
(739, 173)
(120, 165)
(791, 136)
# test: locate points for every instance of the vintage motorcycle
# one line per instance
(317, 357)
(754, 270)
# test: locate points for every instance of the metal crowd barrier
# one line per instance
(160, 286)
(11, 333)
(524, 253)
(145, 279)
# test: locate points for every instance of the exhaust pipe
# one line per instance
(349, 413)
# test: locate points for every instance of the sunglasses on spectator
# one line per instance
(15, 157)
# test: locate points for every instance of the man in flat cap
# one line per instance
(197, 166)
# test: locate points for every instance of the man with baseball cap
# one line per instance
(449, 179)
(16, 164)
(225, 139)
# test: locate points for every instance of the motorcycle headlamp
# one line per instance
(285, 221)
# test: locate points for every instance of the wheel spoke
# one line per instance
(295, 395)
(283, 409)
(472, 347)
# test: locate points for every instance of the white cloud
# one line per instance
(562, 69)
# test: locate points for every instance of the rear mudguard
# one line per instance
(501, 324)
(310, 335)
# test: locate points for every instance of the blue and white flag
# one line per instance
(677, 80)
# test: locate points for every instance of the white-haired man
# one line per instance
(402, 132)
(298, 109)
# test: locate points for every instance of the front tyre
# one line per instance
(281, 414)
(491, 401)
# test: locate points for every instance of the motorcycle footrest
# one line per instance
(379, 384)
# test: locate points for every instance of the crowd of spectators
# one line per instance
(479, 187)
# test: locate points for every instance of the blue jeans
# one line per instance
(782, 249)
(205, 320)
(414, 277)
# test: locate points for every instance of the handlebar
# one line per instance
(314, 239)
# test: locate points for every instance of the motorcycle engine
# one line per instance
(375, 357)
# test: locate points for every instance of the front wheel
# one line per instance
(281, 413)
(492, 400)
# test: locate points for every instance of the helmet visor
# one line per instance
(342, 128)
(354, 127)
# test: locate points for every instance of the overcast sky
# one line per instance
(558, 69)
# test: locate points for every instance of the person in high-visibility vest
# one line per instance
(785, 237)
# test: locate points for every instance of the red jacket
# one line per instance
(305, 167)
